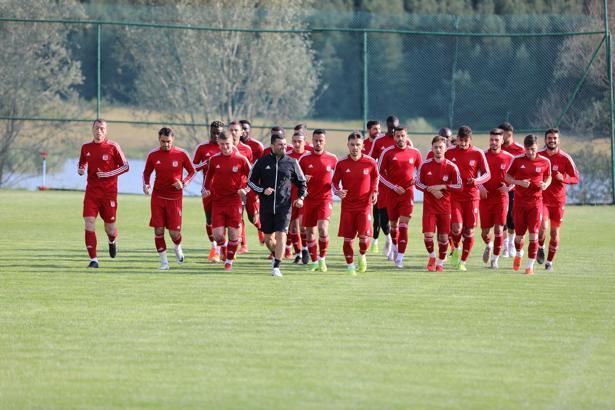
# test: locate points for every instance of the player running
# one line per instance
(494, 198)
(236, 132)
(531, 174)
(373, 132)
(226, 182)
(318, 168)
(355, 181)
(103, 160)
(200, 160)
(252, 204)
(397, 165)
(437, 177)
(297, 237)
(563, 172)
(474, 171)
(169, 162)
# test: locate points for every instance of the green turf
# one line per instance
(128, 336)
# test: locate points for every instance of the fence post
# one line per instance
(609, 67)
(365, 92)
(451, 107)
(98, 29)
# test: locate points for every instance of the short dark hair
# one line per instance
(355, 135)
(275, 137)
(234, 123)
(439, 138)
(216, 124)
(506, 126)
(301, 126)
(445, 132)
(298, 134)
(464, 131)
(98, 120)
(165, 132)
(551, 131)
(400, 128)
(277, 128)
(530, 140)
(244, 122)
(319, 131)
(224, 136)
(392, 118)
(371, 123)
(496, 131)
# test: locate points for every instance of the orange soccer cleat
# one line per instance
(431, 264)
(517, 262)
(439, 268)
(213, 256)
(529, 271)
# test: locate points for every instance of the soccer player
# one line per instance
(397, 167)
(474, 171)
(437, 177)
(200, 160)
(373, 132)
(271, 177)
(236, 132)
(379, 145)
(297, 237)
(511, 146)
(226, 182)
(104, 161)
(169, 162)
(355, 181)
(494, 198)
(318, 169)
(252, 204)
(563, 172)
(531, 174)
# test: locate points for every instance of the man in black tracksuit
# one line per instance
(271, 177)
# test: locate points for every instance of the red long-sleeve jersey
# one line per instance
(536, 170)
(226, 175)
(169, 167)
(318, 170)
(359, 178)
(515, 149)
(256, 147)
(381, 143)
(106, 157)
(432, 173)
(470, 162)
(246, 151)
(561, 162)
(498, 165)
(202, 154)
(397, 166)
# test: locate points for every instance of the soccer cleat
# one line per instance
(505, 252)
(529, 271)
(375, 248)
(305, 256)
(362, 263)
(350, 270)
(431, 264)
(540, 257)
(261, 237)
(228, 266)
(243, 249)
(512, 250)
(164, 266)
(313, 267)
(288, 253)
(494, 264)
(386, 250)
(276, 272)
(93, 264)
(486, 254)
(439, 268)
(549, 266)
(462, 266)
(455, 258)
(322, 265)
(517, 263)
(179, 255)
(112, 249)
(213, 255)
(399, 261)
(297, 258)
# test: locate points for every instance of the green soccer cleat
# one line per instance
(374, 248)
(350, 270)
(362, 263)
(322, 265)
(455, 258)
(462, 266)
(313, 267)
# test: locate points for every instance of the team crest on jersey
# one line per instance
(105, 157)
(328, 168)
(175, 164)
(235, 168)
(445, 178)
(555, 167)
(112, 204)
(472, 163)
(503, 166)
(538, 169)
(365, 171)
(411, 160)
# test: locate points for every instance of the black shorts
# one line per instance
(277, 222)
(510, 224)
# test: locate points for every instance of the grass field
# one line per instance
(128, 336)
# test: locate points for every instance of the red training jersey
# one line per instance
(359, 178)
(498, 165)
(106, 157)
(536, 170)
(368, 143)
(202, 154)
(380, 143)
(432, 173)
(470, 162)
(397, 166)
(318, 170)
(257, 148)
(246, 151)
(514, 148)
(225, 176)
(562, 163)
(169, 167)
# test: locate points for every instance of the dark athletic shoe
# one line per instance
(297, 258)
(93, 264)
(540, 258)
(112, 249)
(305, 256)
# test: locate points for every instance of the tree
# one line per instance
(38, 73)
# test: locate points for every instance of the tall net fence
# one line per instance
(139, 67)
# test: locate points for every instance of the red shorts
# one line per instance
(465, 213)
(166, 213)
(226, 215)
(383, 196)
(252, 203)
(314, 211)
(207, 204)
(554, 213)
(493, 211)
(399, 205)
(106, 207)
(296, 212)
(527, 218)
(432, 221)
(355, 222)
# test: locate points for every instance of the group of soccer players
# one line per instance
(513, 188)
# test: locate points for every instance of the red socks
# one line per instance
(532, 249)
(312, 250)
(497, 244)
(114, 236)
(442, 248)
(90, 243)
(456, 239)
(210, 232)
(394, 235)
(323, 244)
(402, 238)
(468, 243)
(429, 245)
(363, 245)
(177, 240)
(161, 245)
(231, 249)
(348, 251)
(552, 249)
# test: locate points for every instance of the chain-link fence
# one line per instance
(187, 66)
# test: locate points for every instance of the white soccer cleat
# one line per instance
(386, 250)
(164, 266)
(505, 253)
(494, 264)
(399, 261)
(276, 272)
(179, 254)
